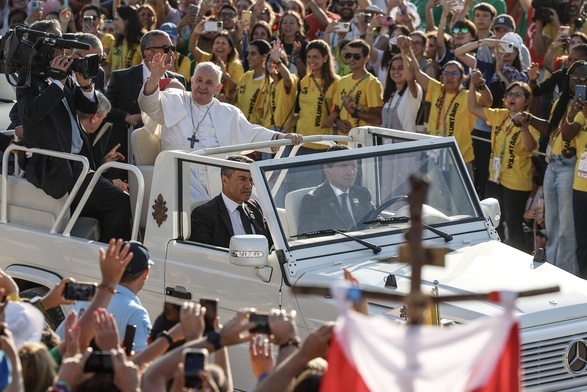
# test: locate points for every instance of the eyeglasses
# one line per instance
(462, 30)
(579, 78)
(514, 95)
(454, 74)
(166, 48)
(417, 43)
(356, 56)
(346, 3)
(227, 15)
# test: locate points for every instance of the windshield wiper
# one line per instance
(375, 248)
(403, 219)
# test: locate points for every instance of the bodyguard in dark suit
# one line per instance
(125, 85)
(230, 213)
(337, 203)
(48, 111)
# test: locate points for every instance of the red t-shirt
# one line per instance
(314, 27)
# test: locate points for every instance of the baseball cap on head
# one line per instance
(169, 28)
(140, 259)
(505, 21)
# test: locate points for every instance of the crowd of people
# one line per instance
(91, 354)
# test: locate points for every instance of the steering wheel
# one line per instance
(373, 214)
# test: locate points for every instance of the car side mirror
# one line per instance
(491, 209)
(249, 250)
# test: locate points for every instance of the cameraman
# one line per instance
(547, 32)
(47, 110)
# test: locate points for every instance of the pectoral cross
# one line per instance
(193, 140)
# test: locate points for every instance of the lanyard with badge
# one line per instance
(496, 160)
(440, 106)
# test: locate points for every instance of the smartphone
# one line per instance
(458, 5)
(65, 3)
(564, 31)
(247, 16)
(88, 23)
(37, 4)
(129, 338)
(80, 291)
(194, 9)
(385, 20)
(211, 306)
(262, 320)
(393, 41)
(99, 362)
(506, 47)
(342, 27)
(581, 91)
(194, 360)
(213, 26)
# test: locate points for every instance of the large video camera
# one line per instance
(542, 12)
(26, 51)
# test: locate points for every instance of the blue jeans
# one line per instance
(558, 203)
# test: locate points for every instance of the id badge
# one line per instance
(495, 169)
(582, 168)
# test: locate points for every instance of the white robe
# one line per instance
(170, 119)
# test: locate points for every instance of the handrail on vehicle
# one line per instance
(56, 154)
(85, 169)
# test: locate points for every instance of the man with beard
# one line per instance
(346, 9)
(547, 34)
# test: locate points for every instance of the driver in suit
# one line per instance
(232, 212)
(337, 203)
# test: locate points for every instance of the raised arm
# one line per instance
(474, 106)
(318, 12)
(440, 44)
(430, 26)
(570, 127)
(193, 46)
(405, 43)
(421, 77)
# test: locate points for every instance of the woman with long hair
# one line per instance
(224, 55)
(558, 179)
(252, 86)
(402, 94)
(126, 51)
(512, 145)
(148, 17)
(291, 35)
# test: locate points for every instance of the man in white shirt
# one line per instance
(195, 120)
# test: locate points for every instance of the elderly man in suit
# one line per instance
(125, 85)
(232, 212)
(337, 203)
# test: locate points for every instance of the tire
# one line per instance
(53, 316)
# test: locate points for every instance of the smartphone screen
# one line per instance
(194, 361)
(581, 91)
(211, 306)
(129, 338)
(99, 362)
(262, 320)
(79, 291)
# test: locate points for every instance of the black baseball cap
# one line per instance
(140, 259)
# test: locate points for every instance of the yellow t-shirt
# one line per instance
(184, 68)
(250, 94)
(555, 140)
(314, 110)
(507, 143)
(278, 105)
(455, 118)
(121, 57)
(234, 68)
(366, 92)
(107, 42)
(580, 183)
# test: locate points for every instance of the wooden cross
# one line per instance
(193, 140)
(416, 255)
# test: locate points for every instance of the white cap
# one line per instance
(25, 322)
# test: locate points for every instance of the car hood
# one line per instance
(482, 268)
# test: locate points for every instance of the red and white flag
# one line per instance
(377, 355)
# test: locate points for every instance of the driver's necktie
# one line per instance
(346, 216)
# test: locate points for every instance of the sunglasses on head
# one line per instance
(166, 48)
(356, 56)
(462, 30)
